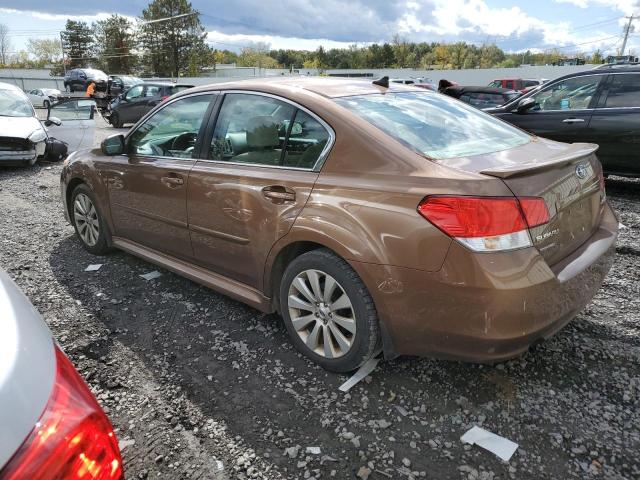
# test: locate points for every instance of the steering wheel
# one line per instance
(184, 141)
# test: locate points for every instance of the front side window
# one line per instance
(624, 91)
(434, 125)
(134, 92)
(173, 130)
(251, 129)
(570, 94)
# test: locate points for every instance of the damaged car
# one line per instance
(24, 138)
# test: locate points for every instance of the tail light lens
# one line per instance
(73, 438)
(486, 224)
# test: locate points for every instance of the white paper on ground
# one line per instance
(93, 267)
(501, 446)
(151, 275)
(313, 450)
(365, 369)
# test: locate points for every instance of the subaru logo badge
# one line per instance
(582, 171)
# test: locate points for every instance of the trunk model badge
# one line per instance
(582, 171)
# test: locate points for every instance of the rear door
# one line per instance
(263, 160)
(148, 185)
(615, 124)
(563, 110)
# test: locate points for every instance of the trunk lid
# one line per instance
(567, 177)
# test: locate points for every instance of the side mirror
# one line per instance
(52, 121)
(113, 145)
(525, 105)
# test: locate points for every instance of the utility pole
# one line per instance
(626, 35)
(64, 65)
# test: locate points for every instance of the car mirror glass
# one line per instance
(113, 145)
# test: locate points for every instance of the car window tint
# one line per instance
(134, 92)
(434, 125)
(307, 139)
(251, 129)
(178, 88)
(152, 91)
(570, 94)
(624, 91)
(509, 84)
(171, 131)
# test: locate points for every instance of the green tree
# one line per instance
(172, 38)
(596, 57)
(45, 50)
(77, 40)
(5, 44)
(115, 44)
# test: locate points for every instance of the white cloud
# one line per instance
(577, 3)
(236, 42)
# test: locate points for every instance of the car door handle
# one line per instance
(573, 120)
(172, 182)
(279, 194)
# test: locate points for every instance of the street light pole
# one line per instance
(626, 36)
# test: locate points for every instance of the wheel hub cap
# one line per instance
(322, 313)
(85, 217)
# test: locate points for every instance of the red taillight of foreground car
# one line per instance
(73, 438)
(486, 223)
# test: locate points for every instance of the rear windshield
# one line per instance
(435, 125)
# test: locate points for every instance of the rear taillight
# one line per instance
(486, 224)
(73, 438)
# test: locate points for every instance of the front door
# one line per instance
(616, 124)
(131, 104)
(562, 110)
(262, 163)
(148, 186)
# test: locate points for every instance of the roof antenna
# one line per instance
(383, 82)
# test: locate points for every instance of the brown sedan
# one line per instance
(368, 217)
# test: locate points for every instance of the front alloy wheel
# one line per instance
(322, 313)
(86, 219)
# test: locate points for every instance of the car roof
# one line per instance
(166, 84)
(331, 87)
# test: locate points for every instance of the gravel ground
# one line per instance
(200, 386)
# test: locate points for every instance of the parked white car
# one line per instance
(24, 138)
(43, 97)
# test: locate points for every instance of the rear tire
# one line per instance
(328, 311)
(115, 120)
(88, 221)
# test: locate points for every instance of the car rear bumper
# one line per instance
(487, 307)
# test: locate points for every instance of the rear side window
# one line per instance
(624, 91)
(306, 141)
(152, 91)
(434, 125)
(251, 129)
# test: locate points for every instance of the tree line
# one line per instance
(169, 40)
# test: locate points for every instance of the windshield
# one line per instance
(435, 125)
(14, 105)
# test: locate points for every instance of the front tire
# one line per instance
(328, 312)
(88, 221)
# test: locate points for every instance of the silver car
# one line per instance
(51, 425)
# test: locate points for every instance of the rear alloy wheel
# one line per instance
(328, 311)
(88, 222)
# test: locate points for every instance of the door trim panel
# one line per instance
(151, 216)
(217, 234)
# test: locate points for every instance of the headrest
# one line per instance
(262, 132)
